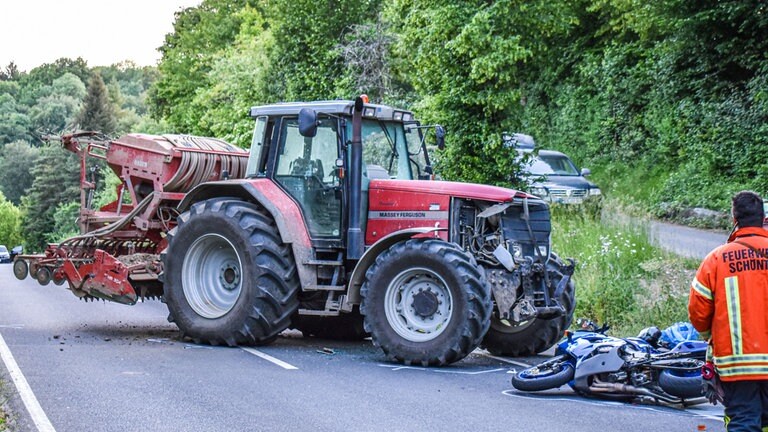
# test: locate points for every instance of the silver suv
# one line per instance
(5, 256)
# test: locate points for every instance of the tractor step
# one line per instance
(314, 312)
(324, 288)
(324, 263)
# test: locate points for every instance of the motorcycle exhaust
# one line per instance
(602, 387)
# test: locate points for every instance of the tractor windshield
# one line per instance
(390, 150)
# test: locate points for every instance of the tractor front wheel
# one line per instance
(229, 279)
(425, 302)
(534, 336)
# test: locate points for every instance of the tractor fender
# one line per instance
(368, 258)
(284, 210)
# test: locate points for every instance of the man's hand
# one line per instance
(711, 386)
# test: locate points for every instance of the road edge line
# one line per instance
(25, 391)
(269, 358)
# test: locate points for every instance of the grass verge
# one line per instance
(621, 279)
(3, 406)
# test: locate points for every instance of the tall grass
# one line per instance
(3, 407)
(621, 279)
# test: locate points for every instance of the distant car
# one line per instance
(551, 175)
(555, 178)
(18, 250)
(5, 256)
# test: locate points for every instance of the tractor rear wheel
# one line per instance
(425, 302)
(229, 279)
(536, 335)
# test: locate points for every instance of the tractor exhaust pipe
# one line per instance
(355, 239)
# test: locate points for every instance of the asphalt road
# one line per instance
(685, 241)
(107, 367)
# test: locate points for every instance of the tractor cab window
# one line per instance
(259, 147)
(417, 150)
(383, 145)
(306, 170)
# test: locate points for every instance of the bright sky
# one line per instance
(103, 32)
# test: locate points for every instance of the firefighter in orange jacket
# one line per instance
(729, 304)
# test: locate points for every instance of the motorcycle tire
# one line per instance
(684, 387)
(548, 375)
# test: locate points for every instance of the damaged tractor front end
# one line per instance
(532, 288)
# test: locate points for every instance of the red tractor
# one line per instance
(335, 228)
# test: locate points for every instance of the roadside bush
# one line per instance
(621, 279)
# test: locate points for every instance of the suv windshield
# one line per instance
(3, 248)
(552, 165)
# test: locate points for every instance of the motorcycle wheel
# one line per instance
(682, 386)
(550, 374)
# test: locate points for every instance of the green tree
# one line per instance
(56, 181)
(366, 56)
(128, 86)
(188, 54)
(57, 105)
(37, 79)
(16, 162)
(239, 80)
(14, 124)
(10, 223)
(64, 222)
(468, 60)
(306, 33)
(10, 73)
(97, 113)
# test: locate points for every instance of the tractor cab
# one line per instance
(305, 148)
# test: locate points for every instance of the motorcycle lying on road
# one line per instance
(626, 369)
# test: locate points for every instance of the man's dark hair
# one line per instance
(747, 207)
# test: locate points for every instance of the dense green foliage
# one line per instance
(39, 180)
(672, 89)
(189, 53)
(225, 57)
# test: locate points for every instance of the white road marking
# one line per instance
(516, 363)
(13, 326)
(25, 391)
(579, 399)
(268, 357)
(448, 371)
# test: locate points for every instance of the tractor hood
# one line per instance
(453, 189)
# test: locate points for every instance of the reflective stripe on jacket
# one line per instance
(729, 298)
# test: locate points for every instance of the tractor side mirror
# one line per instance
(308, 123)
(440, 137)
